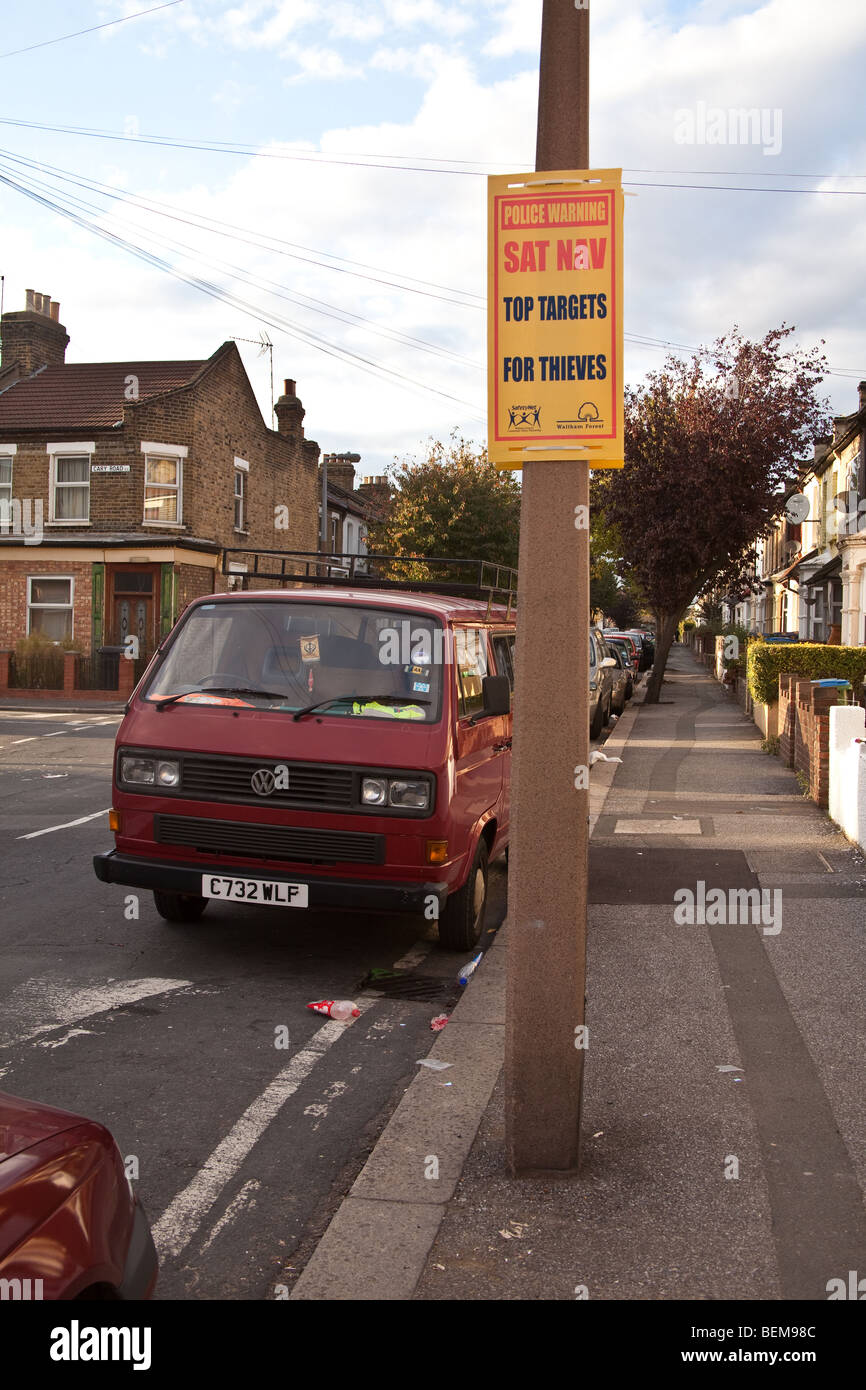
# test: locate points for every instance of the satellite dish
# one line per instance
(797, 508)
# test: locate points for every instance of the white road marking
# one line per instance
(61, 1042)
(38, 999)
(186, 1212)
(31, 739)
(245, 1198)
(67, 825)
(414, 956)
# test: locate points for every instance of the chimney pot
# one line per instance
(33, 338)
(861, 391)
(290, 387)
(55, 310)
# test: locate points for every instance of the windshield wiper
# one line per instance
(220, 690)
(367, 699)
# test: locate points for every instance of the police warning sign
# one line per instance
(555, 317)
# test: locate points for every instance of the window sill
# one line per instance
(166, 525)
(69, 523)
(239, 532)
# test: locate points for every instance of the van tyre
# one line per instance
(462, 922)
(179, 907)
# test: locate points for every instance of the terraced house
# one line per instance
(810, 566)
(122, 483)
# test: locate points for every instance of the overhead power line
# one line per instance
(427, 288)
(428, 163)
(254, 311)
(109, 24)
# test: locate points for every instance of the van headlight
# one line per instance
(149, 772)
(407, 793)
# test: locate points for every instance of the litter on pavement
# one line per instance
(433, 1063)
(465, 971)
(438, 1023)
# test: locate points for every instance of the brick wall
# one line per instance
(804, 732)
(194, 581)
(13, 595)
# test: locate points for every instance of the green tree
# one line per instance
(453, 503)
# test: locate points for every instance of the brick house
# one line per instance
(121, 483)
(351, 510)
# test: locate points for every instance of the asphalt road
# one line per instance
(244, 1116)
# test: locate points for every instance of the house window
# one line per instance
(241, 470)
(49, 606)
(70, 487)
(5, 486)
(162, 488)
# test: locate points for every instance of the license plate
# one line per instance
(254, 890)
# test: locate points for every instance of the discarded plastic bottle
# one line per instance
(341, 1009)
(467, 970)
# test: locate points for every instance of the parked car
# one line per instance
(71, 1226)
(324, 747)
(630, 646)
(624, 689)
(649, 646)
(602, 666)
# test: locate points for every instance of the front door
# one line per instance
(133, 607)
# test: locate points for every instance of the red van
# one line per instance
(344, 745)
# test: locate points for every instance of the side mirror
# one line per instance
(496, 695)
(608, 662)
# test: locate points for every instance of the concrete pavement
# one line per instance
(724, 1150)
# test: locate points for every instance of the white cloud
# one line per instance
(322, 64)
(422, 61)
(519, 28)
(346, 20)
(447, 20)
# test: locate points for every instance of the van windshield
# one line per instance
(357, 662)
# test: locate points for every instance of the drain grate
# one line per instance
(405, 986)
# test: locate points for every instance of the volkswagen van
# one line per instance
(339, 746)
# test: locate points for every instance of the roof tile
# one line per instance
(86, 395)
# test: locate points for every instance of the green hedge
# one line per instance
(766, 661)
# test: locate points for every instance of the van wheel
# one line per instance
(179, 907)
(462, 922)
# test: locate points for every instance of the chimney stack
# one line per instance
(341, 470)
(376, 490)
(289, 412)
(33, 337)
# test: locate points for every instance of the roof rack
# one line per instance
(463, 578)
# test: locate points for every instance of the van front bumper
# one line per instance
(361, 894)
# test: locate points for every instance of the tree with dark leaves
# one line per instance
(709, 444)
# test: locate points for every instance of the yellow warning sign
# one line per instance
(554, 273)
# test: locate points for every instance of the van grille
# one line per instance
(248, 840)
(229, 779)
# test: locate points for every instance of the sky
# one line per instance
(320, 171)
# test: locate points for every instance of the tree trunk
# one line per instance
(664, 637)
